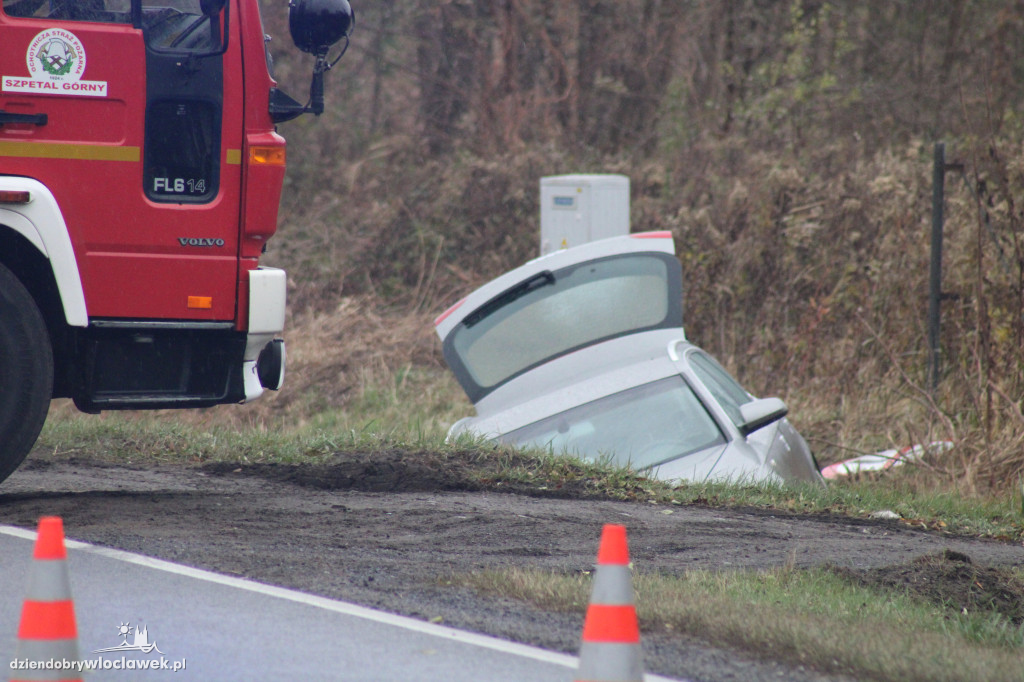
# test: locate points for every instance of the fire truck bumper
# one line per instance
(264, 360)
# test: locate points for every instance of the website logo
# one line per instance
(134, 648)
(140, 641)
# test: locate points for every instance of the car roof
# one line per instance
(558, 304)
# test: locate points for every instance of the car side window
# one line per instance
(726, 390)
(103, 11)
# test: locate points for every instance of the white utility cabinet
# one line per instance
(576, 209)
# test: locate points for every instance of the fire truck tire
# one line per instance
(26, 372)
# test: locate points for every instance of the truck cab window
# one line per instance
(103, 11)
(180, 26)
(184, 90)
(182, 151)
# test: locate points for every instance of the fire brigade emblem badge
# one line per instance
(56, 54)
(56, 63)
(57, 57)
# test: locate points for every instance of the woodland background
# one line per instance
(786, 145)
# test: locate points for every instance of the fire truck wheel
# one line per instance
(26, 372)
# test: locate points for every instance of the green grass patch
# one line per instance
(410, 413)
(808, 617)
(162, 441)
(412, 404)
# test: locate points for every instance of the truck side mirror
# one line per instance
(315, 25)
(211, 8)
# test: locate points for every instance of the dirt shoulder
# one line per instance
(387, 534)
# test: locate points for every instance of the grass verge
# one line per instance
(413, 436)
(810, 617)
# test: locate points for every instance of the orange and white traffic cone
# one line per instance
(47, 636)
(610, 651)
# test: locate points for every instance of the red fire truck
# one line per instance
(140, 173)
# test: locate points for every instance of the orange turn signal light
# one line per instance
(267, 156)
(200, 302)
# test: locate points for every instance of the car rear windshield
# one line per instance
(554, 313)
(640, 428)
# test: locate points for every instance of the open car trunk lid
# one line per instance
(561, 303)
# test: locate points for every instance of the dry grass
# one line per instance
(366, 365)
(336, 356)
(799, 198)
(807, 284)
(803, 617)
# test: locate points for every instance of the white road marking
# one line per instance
(441, 631)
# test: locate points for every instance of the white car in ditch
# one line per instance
(582, 352)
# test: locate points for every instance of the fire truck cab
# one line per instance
(140, 175)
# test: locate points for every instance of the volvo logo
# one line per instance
(200, 241)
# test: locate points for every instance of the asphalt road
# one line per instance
(214, 627)
(389, 531)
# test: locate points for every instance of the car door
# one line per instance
(127, 128)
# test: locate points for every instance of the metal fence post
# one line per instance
(935, 274)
